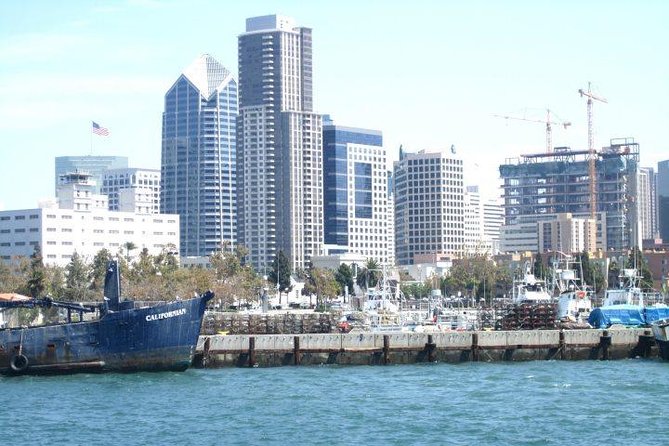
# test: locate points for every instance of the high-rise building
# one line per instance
(91, 164)
(198, 168)
(279, 156)
(647, 203)
(355, 192)
(663, 199)
(429, 205)
(539, 186)
(132, 190)
(483, 219)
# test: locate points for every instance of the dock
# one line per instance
(373, 348)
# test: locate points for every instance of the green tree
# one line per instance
(129, 246)
(37, 276)
(280, 272)
(369, 275)
(55, 279)
(322, 283)
(636, 260)
(98, 269)
(344, 277)
(539, 268)
(77, 274)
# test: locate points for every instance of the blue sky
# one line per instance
(428, 74)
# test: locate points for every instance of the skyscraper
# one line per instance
(429, 205)
(663, 199)
(355, 200)
(198, 165)
(279, 157)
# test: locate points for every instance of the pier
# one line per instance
(368, 348)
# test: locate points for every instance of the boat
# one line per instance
(530, 290)
(574, 302)
(628, 305)
(114, 336)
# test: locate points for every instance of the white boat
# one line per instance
(529, 289)
(574, 298)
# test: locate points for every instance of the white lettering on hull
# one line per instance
(166, 315)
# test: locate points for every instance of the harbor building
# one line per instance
(355, 192)
(80, 221)
(94, 165)
(429, 205)
(132, 190)
(198, 163)
(280, 146)
(536, 187)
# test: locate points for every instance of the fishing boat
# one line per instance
(529, 289)
(628, 305)
(114, 336)
(574, 302)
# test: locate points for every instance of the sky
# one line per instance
(428, 74)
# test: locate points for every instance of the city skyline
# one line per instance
(427, 75)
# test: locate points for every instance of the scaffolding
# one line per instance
(545, 184)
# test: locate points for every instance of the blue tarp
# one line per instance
(628, 315)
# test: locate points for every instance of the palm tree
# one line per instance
(129, 246)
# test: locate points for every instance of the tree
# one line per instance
(322, 283)
(77, 274)
(280, 272)
(129, 246)
(36, 277)
(369, 275)
(98, 269)
(592, 276)
(540, 270)
(344, 277)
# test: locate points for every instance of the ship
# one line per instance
(117, 335)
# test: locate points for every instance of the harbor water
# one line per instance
(527, 403)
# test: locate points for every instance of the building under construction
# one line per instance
(537, 187)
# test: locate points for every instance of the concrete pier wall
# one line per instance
(407, 348)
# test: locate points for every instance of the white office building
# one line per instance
(80, 221)
(429, 205)
(132, 190)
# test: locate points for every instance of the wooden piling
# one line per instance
(252, 351)
(475, 347)
(297, 355)
(561, 346)
(386, 349)
(604, 344)
(430, 347)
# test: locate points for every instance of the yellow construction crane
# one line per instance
(592, 155)
(548, 121)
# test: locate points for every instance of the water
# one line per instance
(529, 403)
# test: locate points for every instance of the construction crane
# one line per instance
(548, 121)
(592, 155)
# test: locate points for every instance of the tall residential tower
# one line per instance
(279, 156)
(198, 156)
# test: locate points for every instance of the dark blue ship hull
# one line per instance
(125, 338)
(162, 337)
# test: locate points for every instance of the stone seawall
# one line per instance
(407, 348)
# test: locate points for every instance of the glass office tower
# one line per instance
(198, 168)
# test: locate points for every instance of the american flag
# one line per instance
(99, 130)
